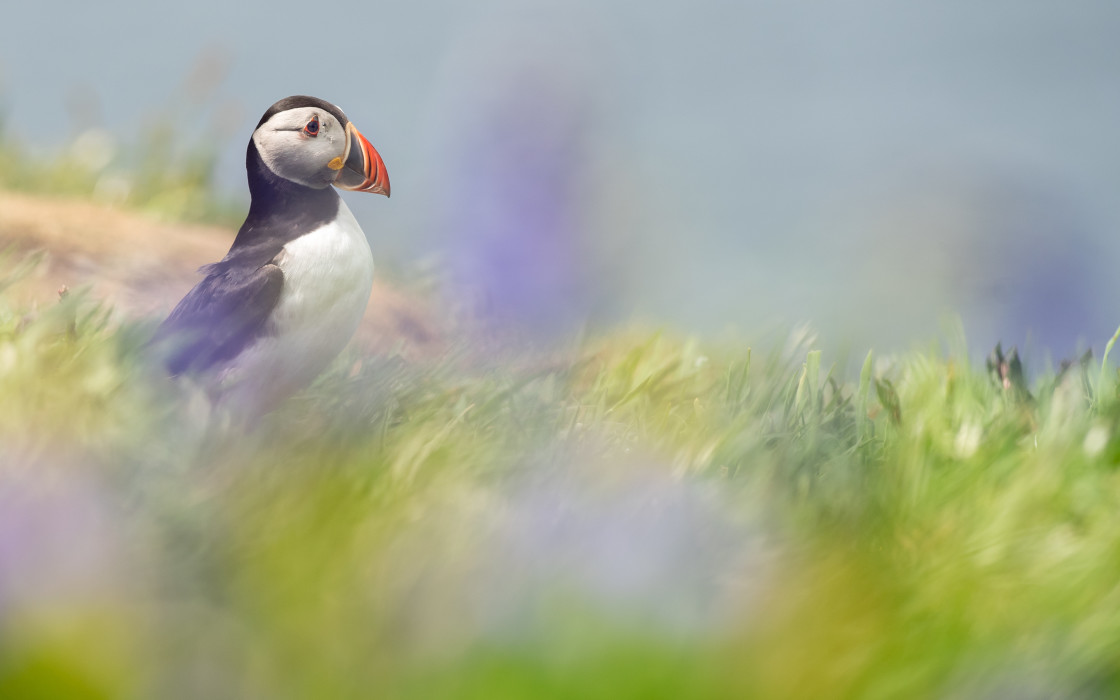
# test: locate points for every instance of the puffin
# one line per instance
(270, 316)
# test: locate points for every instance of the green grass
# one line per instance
(154, 173)
(650, 517)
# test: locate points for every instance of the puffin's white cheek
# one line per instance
(298, 158)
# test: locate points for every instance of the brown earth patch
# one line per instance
(141, 266)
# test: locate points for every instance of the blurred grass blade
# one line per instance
(862, 396)
(1102, 379)
(16, 266)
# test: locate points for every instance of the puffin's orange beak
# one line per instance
(362, 168)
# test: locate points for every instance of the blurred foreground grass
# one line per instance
(649, 517)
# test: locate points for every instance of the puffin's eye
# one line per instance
(312, 127)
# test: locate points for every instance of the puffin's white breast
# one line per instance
(328, 274)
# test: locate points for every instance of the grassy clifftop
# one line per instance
(140, 265)
(644, 516)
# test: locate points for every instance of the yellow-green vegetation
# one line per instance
(651, 517)
(155, 174)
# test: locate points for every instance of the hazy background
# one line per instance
(861, 166)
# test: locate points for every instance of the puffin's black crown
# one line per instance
(304, 101)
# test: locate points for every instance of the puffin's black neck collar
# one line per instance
(281, 211)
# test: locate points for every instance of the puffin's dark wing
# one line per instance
(219, 318)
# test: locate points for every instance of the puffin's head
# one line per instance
(311, 142)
